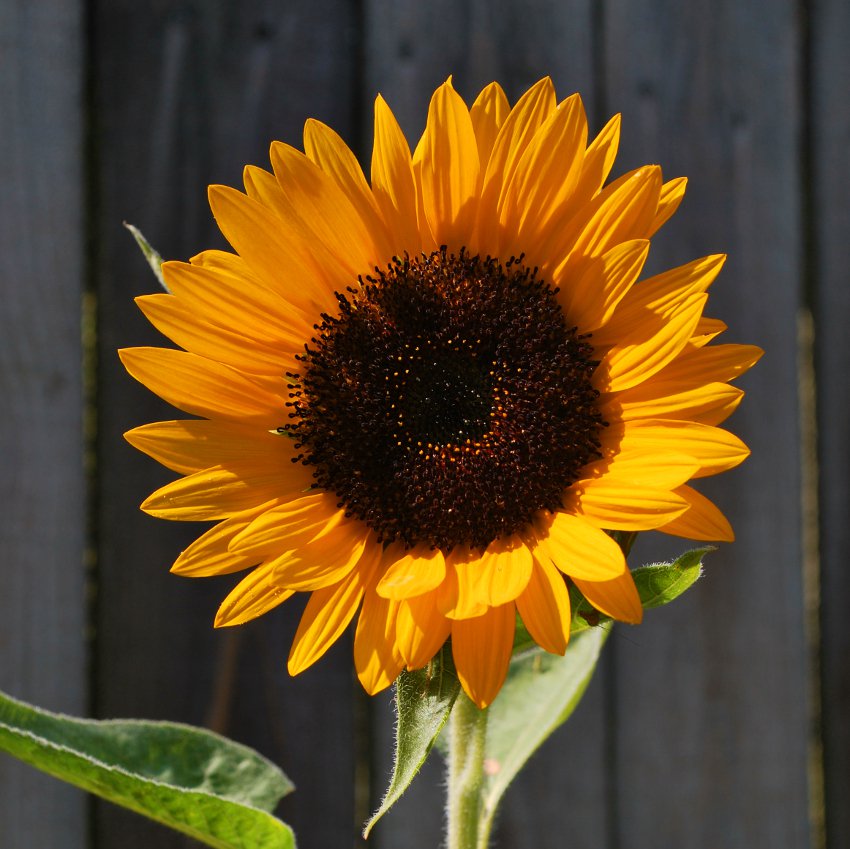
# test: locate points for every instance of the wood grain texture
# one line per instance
(186, 94)
(42, 487)
(410, 49)
(830, 222)
(711, 695)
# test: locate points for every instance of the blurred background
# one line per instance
(722, 721)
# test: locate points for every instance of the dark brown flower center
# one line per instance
(447, 402)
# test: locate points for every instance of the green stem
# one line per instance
(467, 736)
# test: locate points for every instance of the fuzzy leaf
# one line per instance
(424, 700)
(197, 782)
(540, 693)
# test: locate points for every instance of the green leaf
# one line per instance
(153, 258)
(424, 700)
(540, 693)
(657, 584)
(197, 782)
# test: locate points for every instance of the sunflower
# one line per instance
(429, 397)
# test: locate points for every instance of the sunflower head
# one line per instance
(427, 399)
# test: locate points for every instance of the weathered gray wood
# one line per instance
(42, 488)
(711, 694)
(830, 259)
(410, 49)
(186, 94)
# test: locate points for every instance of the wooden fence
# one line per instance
(720, 723)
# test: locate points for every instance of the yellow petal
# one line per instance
(488, 113)
(217, 343)
(709, 404)
(192, 445)
(336, 236)
(661, 469)
(708, 329)
(392, 181)
(576, 547)
(514, 136)
(421, 629)
(671, 196)
(481, 649)
(377, 658)
(329, 611)
(698, 366)
(253, 596)
(290, 525)
(449, 169)
(621, 506)
(544, 606)
(201, 387)
(702, 520)
(216, 493)
(617, 598)
(324, 559)
(714, 449)
(590, 301)
(220, 297)
(270, 248)
(598, 160)
(545, 176)
(416, 571)
(648, 347)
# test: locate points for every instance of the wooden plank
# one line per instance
(186, 93)
(711, 694)
(410, 49)
(42, 528)
(830, 214)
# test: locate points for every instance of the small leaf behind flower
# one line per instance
(192, 780)
(153, 258)
(424, 700)
(657, 584)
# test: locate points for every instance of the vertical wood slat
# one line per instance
(711, 707)
(410, 49)
(830, 216)
(42, 487)
(186, 93)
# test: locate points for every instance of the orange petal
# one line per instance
(377, 659)
(416, 571)
(599, 159)
(576, 547)
(544, 606)
(713, 363)
(253, 596)
(617, 598)
(494, 577)
(329, 611)
(421, 629)
(209, 555)
(481, 649)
